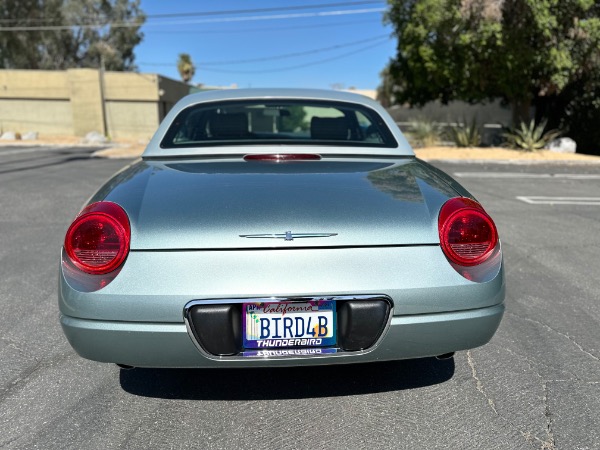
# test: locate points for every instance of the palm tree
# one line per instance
(186, 67)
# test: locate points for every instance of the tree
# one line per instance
(186, 67)
(472, 50)
(92, 30)
(385, 91)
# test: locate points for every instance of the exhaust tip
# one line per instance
(445, 356)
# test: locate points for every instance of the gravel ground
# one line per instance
(496, 153)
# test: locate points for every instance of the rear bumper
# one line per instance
(169, 344)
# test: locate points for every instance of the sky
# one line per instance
(273, 44)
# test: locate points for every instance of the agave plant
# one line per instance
(465, 135)
(530, 137)
(424, 133)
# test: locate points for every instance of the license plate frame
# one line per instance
(296, 320)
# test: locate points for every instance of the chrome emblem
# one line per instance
(287, 236)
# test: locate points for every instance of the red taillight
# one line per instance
(97, 241)
(467, 234)
(283, 157)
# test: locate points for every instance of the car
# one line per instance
(279, 227)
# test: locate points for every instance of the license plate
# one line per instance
(289, 324)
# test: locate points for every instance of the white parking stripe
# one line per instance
(538, 200)
(571, 176)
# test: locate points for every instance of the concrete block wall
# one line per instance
(70, 102)
(35, 100)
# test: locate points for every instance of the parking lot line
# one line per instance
(540, 200)
(516, 175)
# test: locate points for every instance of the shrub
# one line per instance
(530, 137)
(464, 134)
(424, 133)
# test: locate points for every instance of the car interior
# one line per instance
(289, 123)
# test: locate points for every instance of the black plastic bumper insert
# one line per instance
(361, 322)
(217, 328)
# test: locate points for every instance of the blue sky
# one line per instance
(345, 44)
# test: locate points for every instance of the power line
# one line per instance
(303, 53)
(278, 57)
(215, 13)
(337, 13)
(301, 66)
(251, 30)
(262, 10)
(107, 20)
(196, 21)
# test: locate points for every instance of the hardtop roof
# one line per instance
(155, 150)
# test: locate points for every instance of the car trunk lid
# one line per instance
(233, 204)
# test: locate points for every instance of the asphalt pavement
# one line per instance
(535, 385)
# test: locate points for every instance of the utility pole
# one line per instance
(102, 99)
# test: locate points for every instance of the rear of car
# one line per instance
(279, 228)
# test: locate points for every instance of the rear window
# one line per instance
(253, 122)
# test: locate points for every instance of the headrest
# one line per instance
(334, 128)
(228, 125)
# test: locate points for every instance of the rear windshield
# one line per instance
(278, 122)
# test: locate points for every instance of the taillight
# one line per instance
(97, 242)
(468, 235)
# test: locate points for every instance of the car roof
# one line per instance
(154, 150)
(287, 93)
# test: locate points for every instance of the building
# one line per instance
(77, 101)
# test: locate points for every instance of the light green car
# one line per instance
(278, 227)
